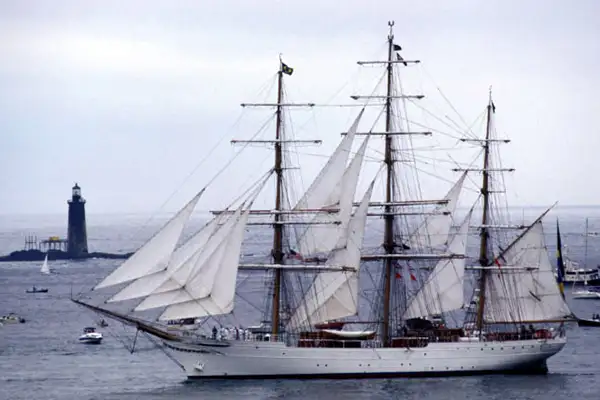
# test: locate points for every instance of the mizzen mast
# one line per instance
(486, 170)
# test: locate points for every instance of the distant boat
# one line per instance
(45, 269)
(586, 294)
(595, 321)
(90, 336)
(11, 319)
(102, 323)
(37, 290)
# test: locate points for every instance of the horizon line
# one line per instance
(207, 211)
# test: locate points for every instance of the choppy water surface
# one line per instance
(42, 359)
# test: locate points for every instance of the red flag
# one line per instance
(398, 276)
(412, 277)
(497, 263)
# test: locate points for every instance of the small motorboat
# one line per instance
(335, 325)
(595, 321)
(586, 294)
(12, 319)
(37, 290)
(90, 336)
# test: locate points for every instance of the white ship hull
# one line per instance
(276, 360)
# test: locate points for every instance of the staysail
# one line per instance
(335, 294)
(330, 175)
(323, 233)
(155, 253)
(186, 253)
(443, 289)
(219, 297)
(526, 291)
(434, 230)
(195, 278)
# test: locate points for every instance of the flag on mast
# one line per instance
(560, 265)
(286, 69)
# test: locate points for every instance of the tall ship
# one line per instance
(335, 307)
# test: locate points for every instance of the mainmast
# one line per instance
(278, 227)
(388, 244)
(389, 213)
(485, 192)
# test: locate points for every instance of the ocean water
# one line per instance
(42, 359)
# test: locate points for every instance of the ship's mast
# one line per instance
(389, 216)
(278, 227)
(389, 213)
(585, 255)
(483, 249)
(278, 221)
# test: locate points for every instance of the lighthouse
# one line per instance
(76, 233)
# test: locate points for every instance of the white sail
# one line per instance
(443, 289)
(335, 294)
(318, 193)
(323, 234)
(156, 252)
(514, 295)
(195, 277)
(434, 230)
(45, 269)
(146, 285)
(220, 299)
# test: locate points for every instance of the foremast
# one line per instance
(278, 222)
(277, 252)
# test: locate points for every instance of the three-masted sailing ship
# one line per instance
(514, 319)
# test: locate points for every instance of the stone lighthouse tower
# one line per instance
(77, 234)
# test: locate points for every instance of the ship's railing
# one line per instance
(294, 339)
(242, 335)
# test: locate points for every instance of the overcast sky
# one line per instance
(128, 97)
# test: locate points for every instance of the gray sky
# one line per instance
(127, 97)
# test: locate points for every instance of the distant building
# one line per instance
(77, 232)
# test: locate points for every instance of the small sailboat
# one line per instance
(90, 336)
(45, 269)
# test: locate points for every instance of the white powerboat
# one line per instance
(90, 336)
(586, 294)
(11, 319)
